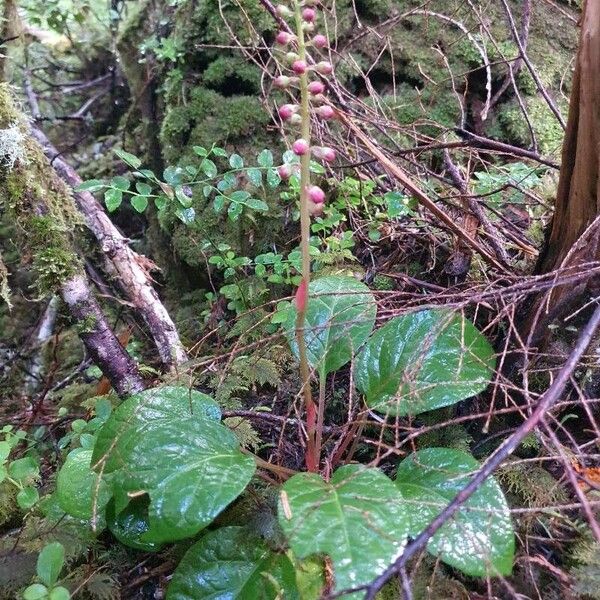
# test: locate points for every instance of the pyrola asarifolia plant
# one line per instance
(307, 82)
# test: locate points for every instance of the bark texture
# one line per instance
(100, 341)
(129, 270)
(578, 198)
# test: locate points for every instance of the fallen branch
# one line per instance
(128, 265)
(398, 173)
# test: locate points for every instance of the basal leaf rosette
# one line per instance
(423, 361)
(168, 444)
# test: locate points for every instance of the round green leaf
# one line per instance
(139, 203)
(339, 318)
(233, 563)
(479, 540)
(357, 519)
(143, 188)
(37, 591)
(60, 593)
(422, 361)
(236, 161)
(78, 489)
(120, 182)
(169, 443)
(113, 199)
(265, 158)
(50, 563)
(27, 497)
(24, 469)
(131, 523)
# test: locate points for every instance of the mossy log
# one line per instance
(42, 208)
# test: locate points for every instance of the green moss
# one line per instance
(41, 206)
(230, 74)
(511, 123)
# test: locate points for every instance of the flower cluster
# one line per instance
(308, 80)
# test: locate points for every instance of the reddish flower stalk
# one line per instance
(312, 197)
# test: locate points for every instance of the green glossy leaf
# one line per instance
(339, 318)
(130, 159)
(479, 540)
(422, 361)
(233, 563)
(265, 158)
(131, 524)
(79, 490)
(37, 591)
(113, 199)
(239, 196)
(50, 563)
(27, 497)
(236, 161)
(5, 449)
(170, 444)
(92, 185)
(200, 150)
(23, 469)
(217, 151)
(161, 202)
(139, 203)
(234, 211)
(358, 519)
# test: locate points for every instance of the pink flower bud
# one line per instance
(283, 38)
(287, 110)
(319, 41)
(282, 81)
(316, 194)
(324, 67)
(299, 67)
(325, 112)
(315, 210)
(302, 296)
(309, 14)
(316, 87)
(283, 11)
(300, 147)
(285, 171)
(328, 154)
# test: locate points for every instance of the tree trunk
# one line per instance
(578, 198)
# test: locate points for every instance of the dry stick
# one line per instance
(132, 277)
(547, 400)
(399, 174)
(523, 55)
